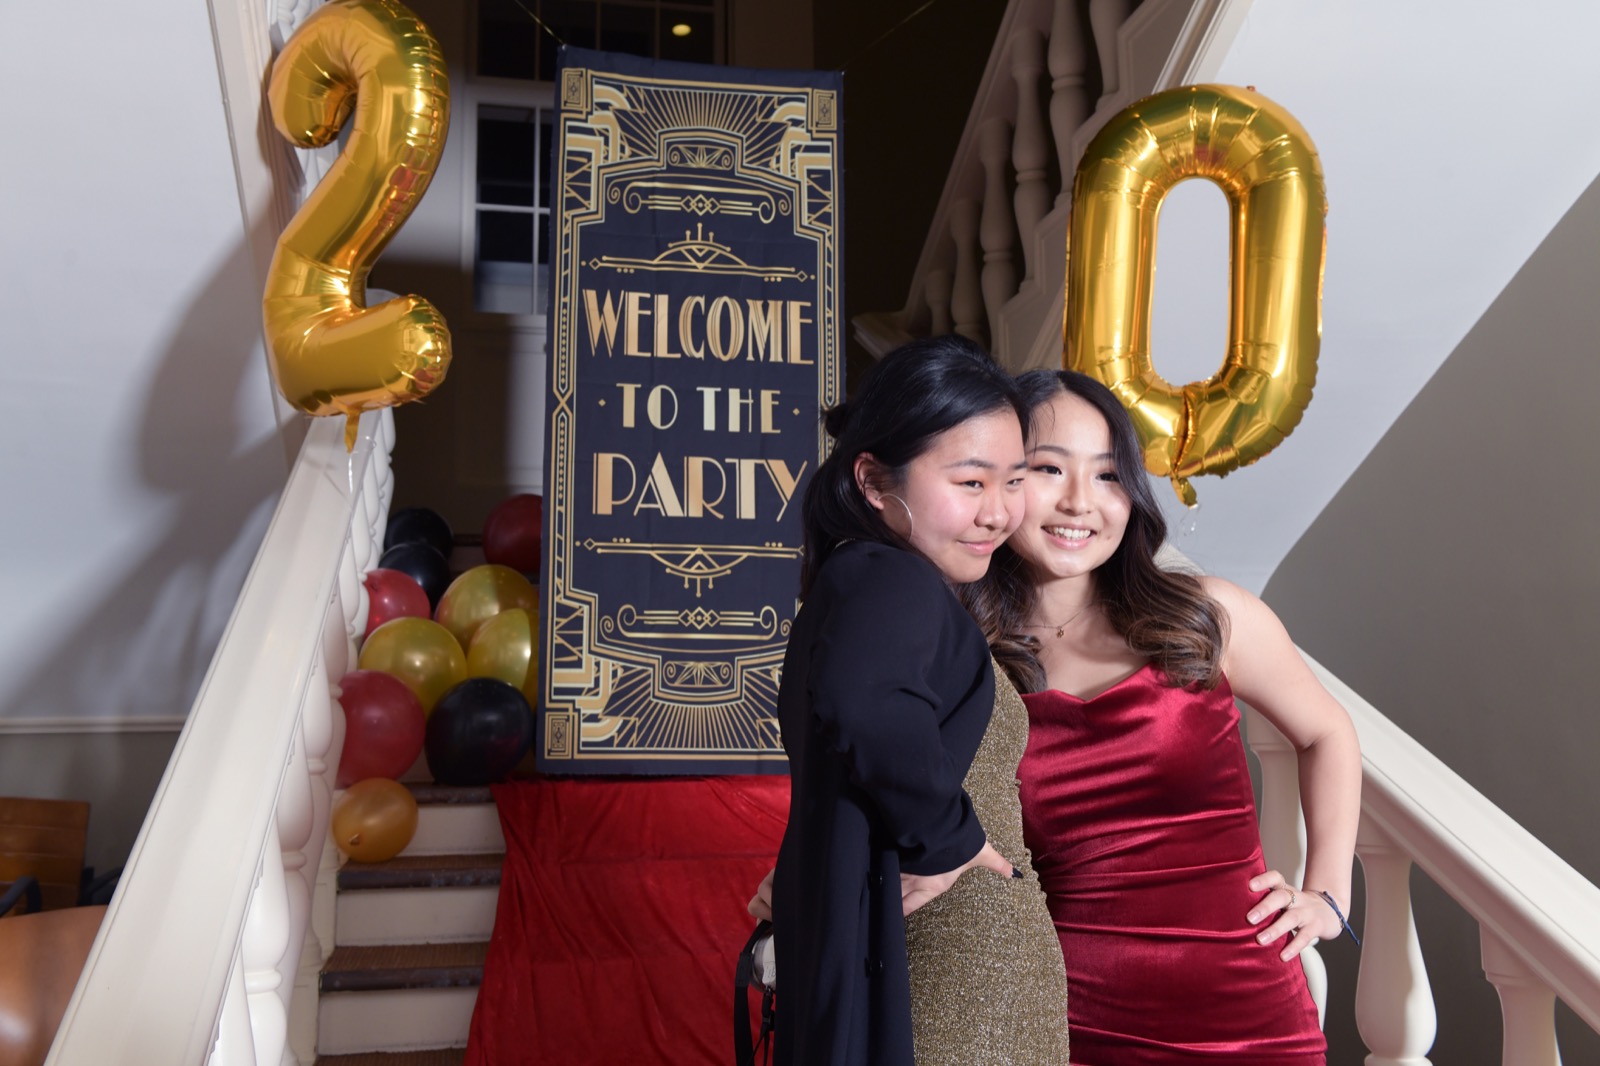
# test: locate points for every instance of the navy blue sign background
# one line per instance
(695, 336)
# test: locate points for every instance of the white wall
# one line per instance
(139, 451)
(1453, 137)
(1453, 582)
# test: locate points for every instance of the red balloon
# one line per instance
(384, 727)
(392, 594)
(511, 536)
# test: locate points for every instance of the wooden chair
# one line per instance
(44, 839)
(44, 936)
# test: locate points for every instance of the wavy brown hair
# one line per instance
(1163, 614)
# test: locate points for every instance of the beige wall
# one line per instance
(1455, 583)
(116, 773)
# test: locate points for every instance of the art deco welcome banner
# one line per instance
(694, 335)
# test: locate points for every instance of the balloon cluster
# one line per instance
(447, 671)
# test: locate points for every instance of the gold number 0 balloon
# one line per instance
(330, 353)
(1266, 165)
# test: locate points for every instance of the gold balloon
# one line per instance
(478, 595)
(374, 820)
(330, 353)
(1268, 169)
(503, 648)
(419, 652)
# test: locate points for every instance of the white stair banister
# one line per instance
(1527, 1006)
(998, 228)
(266, 939)
(1030, 144)
(1105, 19)
(966, 295)
(234, 1044)
(209, 925)
(1069, 92)
(1394, 1002)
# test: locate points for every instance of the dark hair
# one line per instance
(1162, 614)
(909, 397)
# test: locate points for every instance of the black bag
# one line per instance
(744, 1051)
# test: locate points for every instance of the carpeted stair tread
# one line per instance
(423, 871)
(368, 968)
(431, 793)
(445, 1056)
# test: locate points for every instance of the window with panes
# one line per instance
(514, 66)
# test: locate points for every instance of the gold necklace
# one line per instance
(1062, 628)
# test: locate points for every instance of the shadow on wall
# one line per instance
(1452, 582)
(204, 442)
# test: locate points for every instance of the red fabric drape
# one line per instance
(622, 911)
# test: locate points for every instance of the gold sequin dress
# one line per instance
(987, 981)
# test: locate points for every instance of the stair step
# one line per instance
(423, 871)
(437, 899)
(434, 794)
(453, 820)
(443, 1056)
(400, 1019)
(410, 1003)
(376, 967)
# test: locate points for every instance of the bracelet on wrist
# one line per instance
(1328, 898)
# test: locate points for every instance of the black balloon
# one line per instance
(478, 732)
(422, 564)
(412, 524)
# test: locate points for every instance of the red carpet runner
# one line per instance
(621, 913)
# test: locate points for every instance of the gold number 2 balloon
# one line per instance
(1267, 168)
(332, 354)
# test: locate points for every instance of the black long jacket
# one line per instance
(887, 690)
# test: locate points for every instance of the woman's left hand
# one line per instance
(1302, 915)
(760, 905)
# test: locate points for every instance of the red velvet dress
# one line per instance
(1137, 807)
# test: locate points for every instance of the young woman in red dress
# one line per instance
(1180, 945)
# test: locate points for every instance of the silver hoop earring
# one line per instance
(910, 518)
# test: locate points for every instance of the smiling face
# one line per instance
(1077, 509)
(961, 497)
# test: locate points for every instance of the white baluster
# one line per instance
(1069, 93)
(372, 497)
(338, 640)
(383, 441)
(1105, 19)
(1030, 147)
(998, 230)
(364, 548)
(317, 729)
(1527, 1006)
(297, 837)
(324, 896)
(1283, 829)
(266, 938)
(352, 593)
(317, 722)
(234, 1046)
(1394, 1002)
(966, 295)
(937, 290)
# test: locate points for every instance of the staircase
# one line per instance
(229, 895)
(410, 937)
